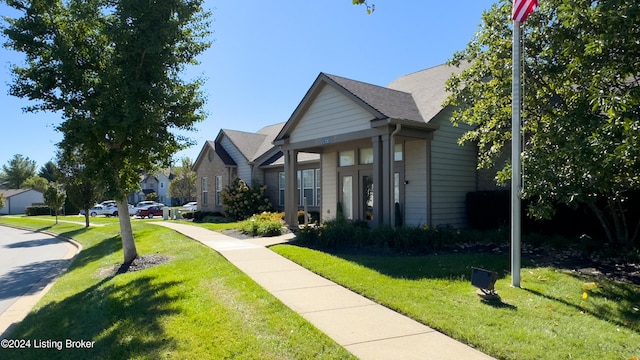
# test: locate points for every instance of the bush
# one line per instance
(356, 234)
(265, 224)
(313, 217)
(241, 201)
(37, 210)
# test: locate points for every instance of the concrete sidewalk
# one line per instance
(366, 329)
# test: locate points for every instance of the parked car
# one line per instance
(150, 211)
(146, 203)
(107, 210)
(114, 209)
(99, 210)
(190, 206)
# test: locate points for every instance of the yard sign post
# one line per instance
(521, 9)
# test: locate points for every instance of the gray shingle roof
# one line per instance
(391, 103)
(427, 87)
(253, 145)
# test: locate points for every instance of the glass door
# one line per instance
(366, 201)
(346, 196)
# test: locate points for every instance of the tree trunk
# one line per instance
(126, 232)
(603, 221)
(86, 218)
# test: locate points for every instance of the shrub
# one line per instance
(313, 217)
(37, 210)
(345, 233)
(265, 224)
(241, 201)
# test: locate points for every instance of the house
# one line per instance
(251, 157)
(17, 200)
(384, 155)
(156, 182)
(388, 155)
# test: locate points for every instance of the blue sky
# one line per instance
(266, 54)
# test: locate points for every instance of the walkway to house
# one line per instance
(366, 329)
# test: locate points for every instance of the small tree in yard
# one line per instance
(241, 201)
(54, 197)
(183, 185)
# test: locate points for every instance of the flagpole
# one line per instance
(515, 159)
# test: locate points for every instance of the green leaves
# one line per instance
(581, 101)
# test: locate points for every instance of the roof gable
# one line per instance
(382, 103)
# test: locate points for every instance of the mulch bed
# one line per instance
(140, 263)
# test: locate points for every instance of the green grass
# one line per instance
(547, 318)
(196, 306)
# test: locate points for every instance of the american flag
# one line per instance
(522, 9)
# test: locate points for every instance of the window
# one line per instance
(347, 158)
(218, 190)
(161, 185)
(281, 182)
(397, 152)
(308, 186)
(318, 182)
(366, 156)
(205, 192)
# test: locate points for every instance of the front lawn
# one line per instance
(194, 306)
(556, 314)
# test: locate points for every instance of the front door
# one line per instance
(347, 195)
(366, 196)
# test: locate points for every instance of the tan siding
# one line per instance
(416, 191)
(328, 186)
(330, 114)
(453, 173)
(244, 170)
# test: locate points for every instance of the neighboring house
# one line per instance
(17, 200)
(389, 155)
(250, 157)
(157, 182)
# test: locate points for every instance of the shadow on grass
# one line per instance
(627, 318)
(430, 266)
(123, 317)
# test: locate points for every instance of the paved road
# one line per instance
(29, 262)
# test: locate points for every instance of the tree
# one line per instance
(82, 188)
(370, 8)
(54, 198)
(18, 169)
(112, 68)
(581, 105)
(183, 185)
(152, 196)
(1, 201)
(36, 183)
(49, 171)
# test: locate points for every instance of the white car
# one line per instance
(190, 206)
(100, 210)
(106, 210)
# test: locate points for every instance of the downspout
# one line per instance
(392, 144)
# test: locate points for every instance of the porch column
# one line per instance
(290, 188)
(386, 189)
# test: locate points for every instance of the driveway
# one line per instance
(29, 264)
